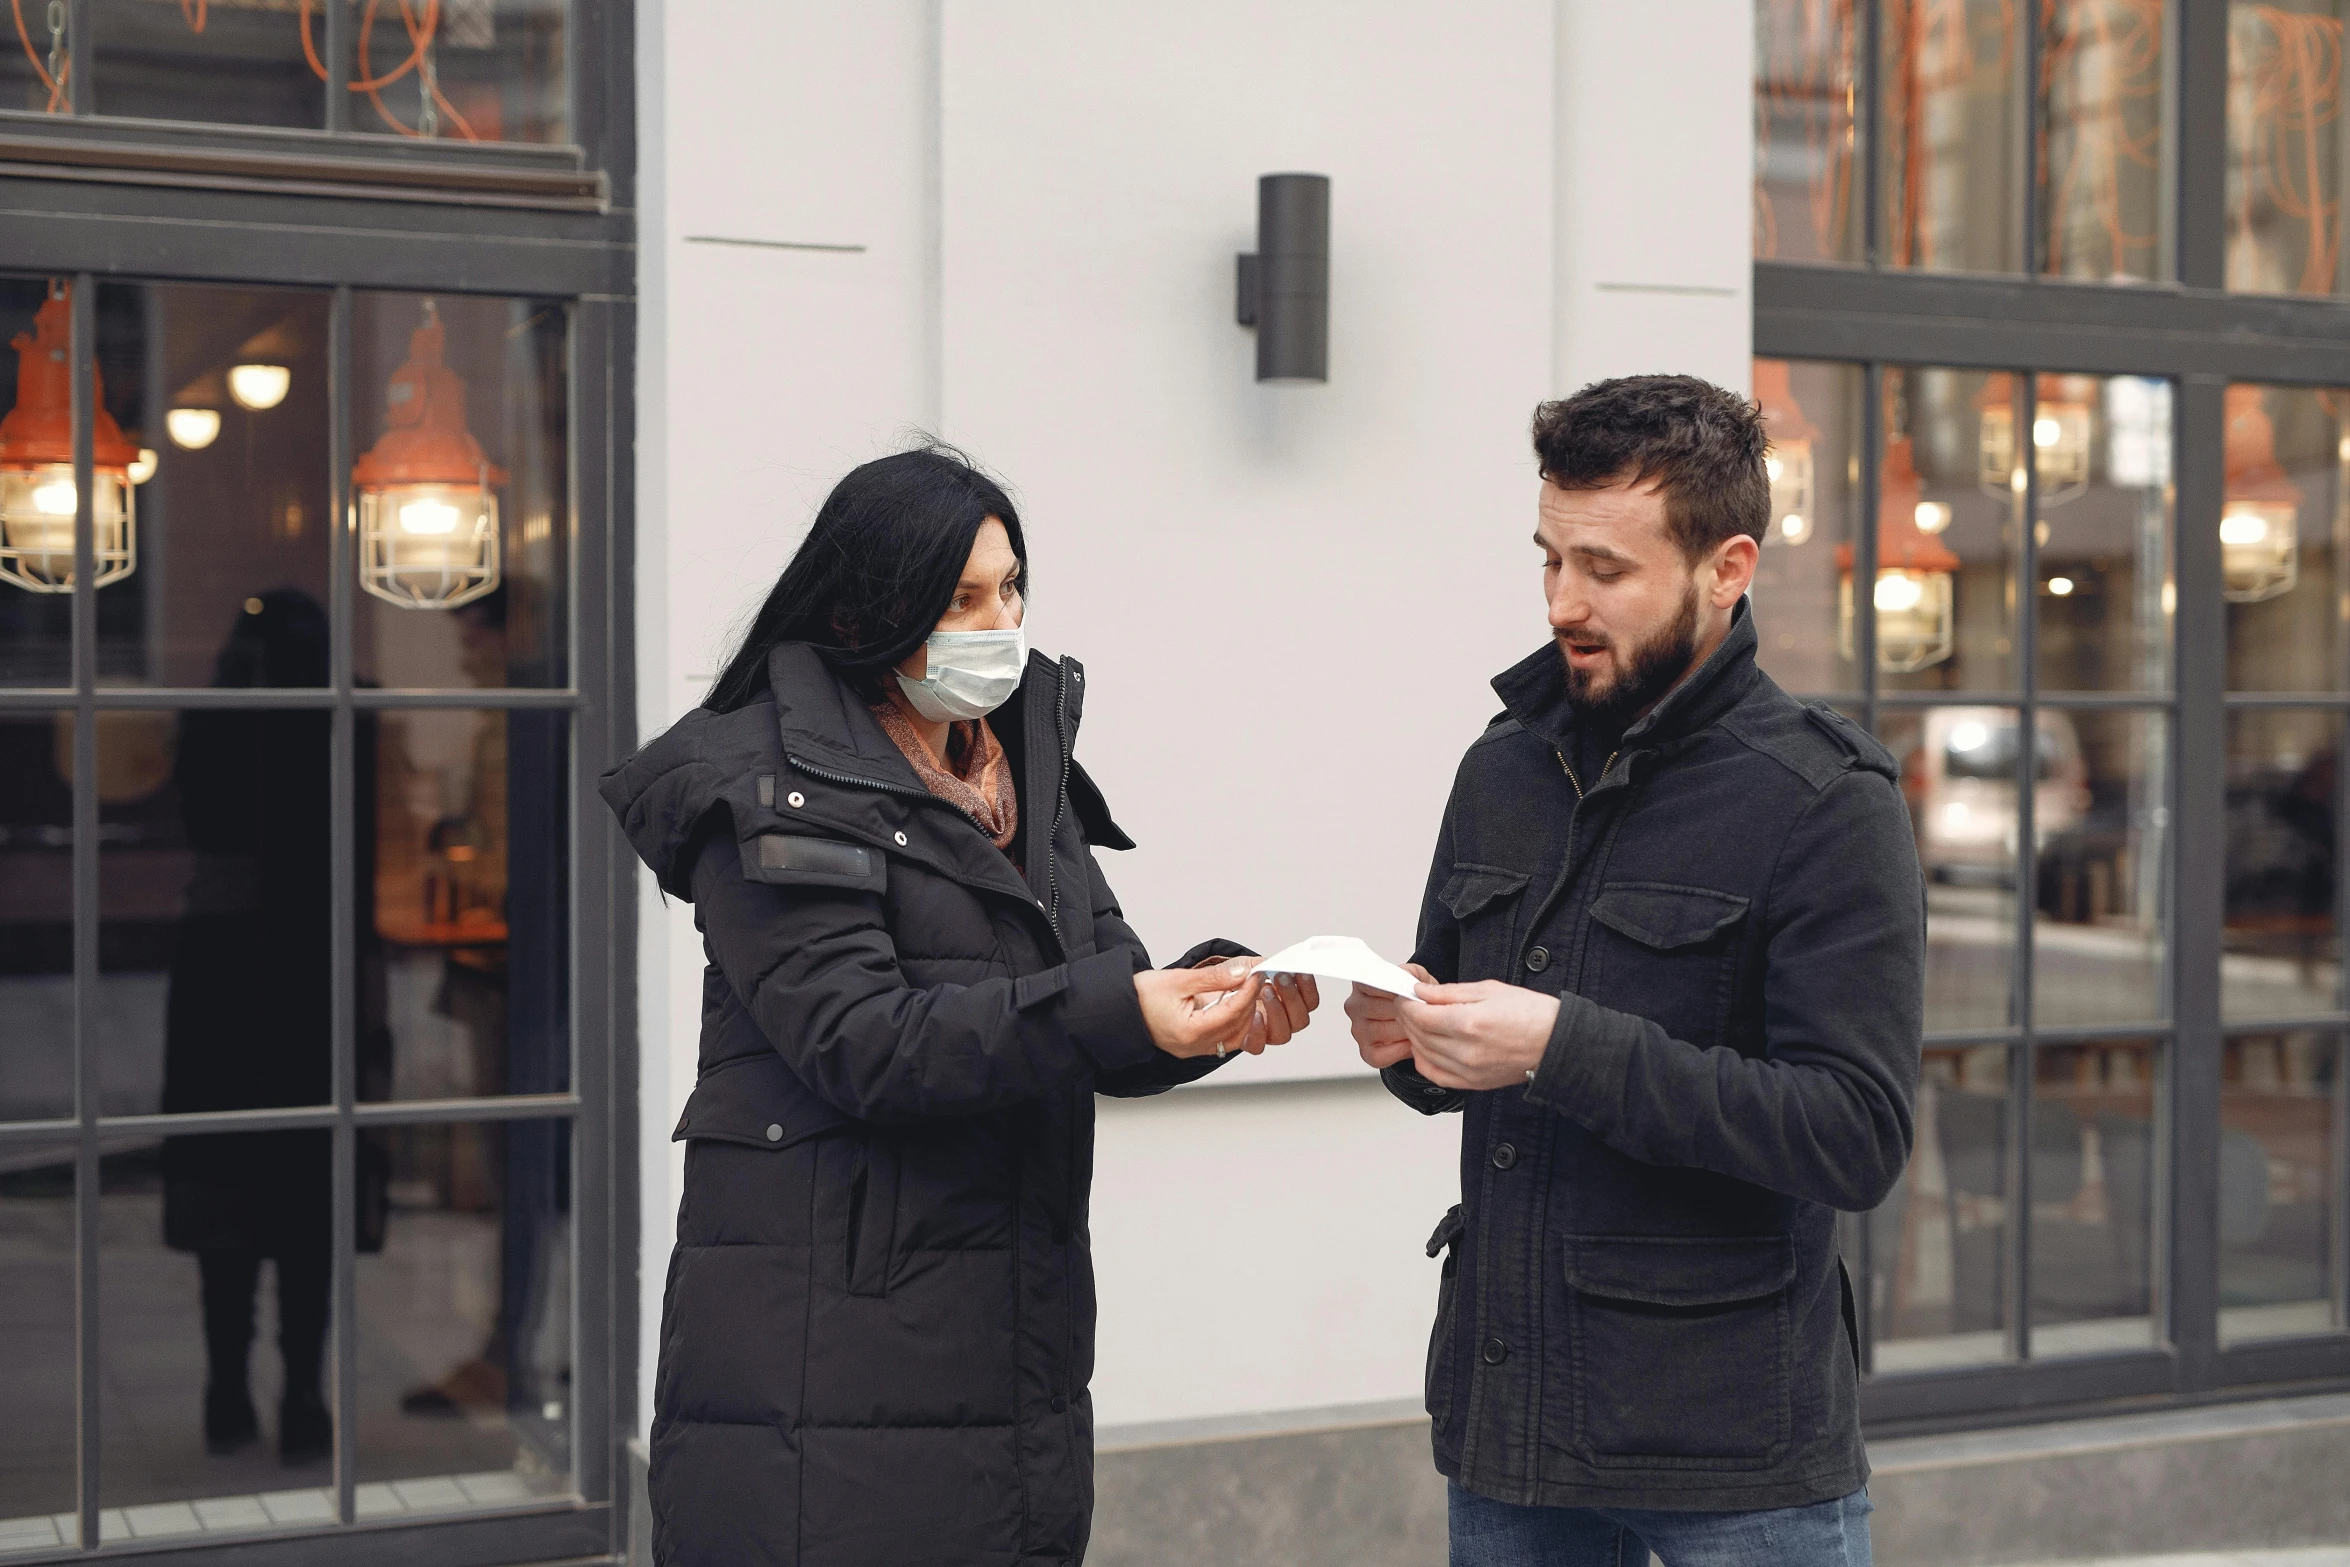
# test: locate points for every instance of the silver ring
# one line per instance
(1222, 1050)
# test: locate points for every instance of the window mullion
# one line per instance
(2200, 52)
(82, 349)
(342, 851)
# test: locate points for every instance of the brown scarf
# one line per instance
(981, 783)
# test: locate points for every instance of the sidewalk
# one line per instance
(2301, 1556)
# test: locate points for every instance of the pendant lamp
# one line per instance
(425, 497)
(2259, 521)
(37, 494)
(2063, 435)
(1914, 594)
(1789, 460)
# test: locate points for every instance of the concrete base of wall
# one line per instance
(1354, 1487)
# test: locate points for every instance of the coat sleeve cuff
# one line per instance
(1405, 1082)
(1585, 1063)
(1103, 1015)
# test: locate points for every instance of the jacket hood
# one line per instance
(810, 715)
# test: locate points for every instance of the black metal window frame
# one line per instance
(92, 200)
(2197, 335)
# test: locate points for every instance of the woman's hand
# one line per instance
(1202, 1011)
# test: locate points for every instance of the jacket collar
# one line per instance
(1534, 691)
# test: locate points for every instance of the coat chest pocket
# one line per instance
(1666, 953)
(1483, 901)
(1679, 1350)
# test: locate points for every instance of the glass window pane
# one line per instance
(213, 1304)
(1813, 414)
(227, 388)
(2093, 1129)
(2104, 596)
(461, 501)
(2282, 531)
(470, 926)
(466, 70)
(36, 917)
(465, 1317)
(1948, 525)
(2102, 180)
(2281, 1182)
(2101, 820)
(38, 1491)
(213, 60)
(1950, 176)
(215, 980)
(1958, 769)
(36, 533)
(1939, 1243)
(2285, 146)
(36, 66)
(2282, 955)
(1807, 203)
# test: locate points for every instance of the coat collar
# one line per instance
(1534, 691)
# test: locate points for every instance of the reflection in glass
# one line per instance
(36, 647)
(2281, 1181)
(214, 1325)
(465, 1316)
(216, 62)
(1953, 122)
(469, 905)
(461, 511)
(39, 496)
(2093, 1131)
(2104, 593)
(1806, 205)
(1946, 539)
(2101, 160)
(462, 70)
(2101, 820)
(36, 918)
(1812, 412)
(227, 523)
(215, 972)
(1939, 1243)
(37, 1482)
(2283, 528)
(1958, 770)
(2281, 954)
(2285, 146)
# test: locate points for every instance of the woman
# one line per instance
(879, 1322)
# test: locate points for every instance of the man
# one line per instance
(1674, 938)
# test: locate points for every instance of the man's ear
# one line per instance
(1733, 569)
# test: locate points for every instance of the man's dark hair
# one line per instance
(1701, 445)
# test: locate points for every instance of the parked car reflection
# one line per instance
(1961, 783)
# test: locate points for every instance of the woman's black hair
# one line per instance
(876, 571)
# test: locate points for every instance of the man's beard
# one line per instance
(1641, 680)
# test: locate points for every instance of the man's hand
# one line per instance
(1202, 1011)
(1379, 1033)
(1486, 1035)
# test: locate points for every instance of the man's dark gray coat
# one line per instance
(1642, 1304)
(878, 1327)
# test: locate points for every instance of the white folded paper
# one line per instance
(1340, 957)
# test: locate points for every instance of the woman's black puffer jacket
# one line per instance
(878, 1328)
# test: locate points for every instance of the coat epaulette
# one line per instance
(1861, 749)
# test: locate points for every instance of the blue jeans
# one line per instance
(1486, 1533)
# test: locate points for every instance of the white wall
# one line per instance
(1289, 599)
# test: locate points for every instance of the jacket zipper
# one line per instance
(1052, 863)
(851, 780)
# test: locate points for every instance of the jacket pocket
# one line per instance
(1483, 901)
(1667, 953)
(1679, 1350)
(873, 1216)
(1438, 1380)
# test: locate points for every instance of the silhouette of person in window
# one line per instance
(249, 1021)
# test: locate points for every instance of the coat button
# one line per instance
(795, 799)
(900, 837)
(1538, 960)
(774, 1133)
(1059, 1403)
(1432, 1092)
(1504, 1156)
(1495, 1352)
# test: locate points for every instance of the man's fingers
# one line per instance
(1437, 995)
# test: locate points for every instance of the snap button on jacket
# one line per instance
(878, 1326)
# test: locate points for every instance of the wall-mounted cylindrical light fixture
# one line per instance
(1285, 286)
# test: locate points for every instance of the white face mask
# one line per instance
(971, 674)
